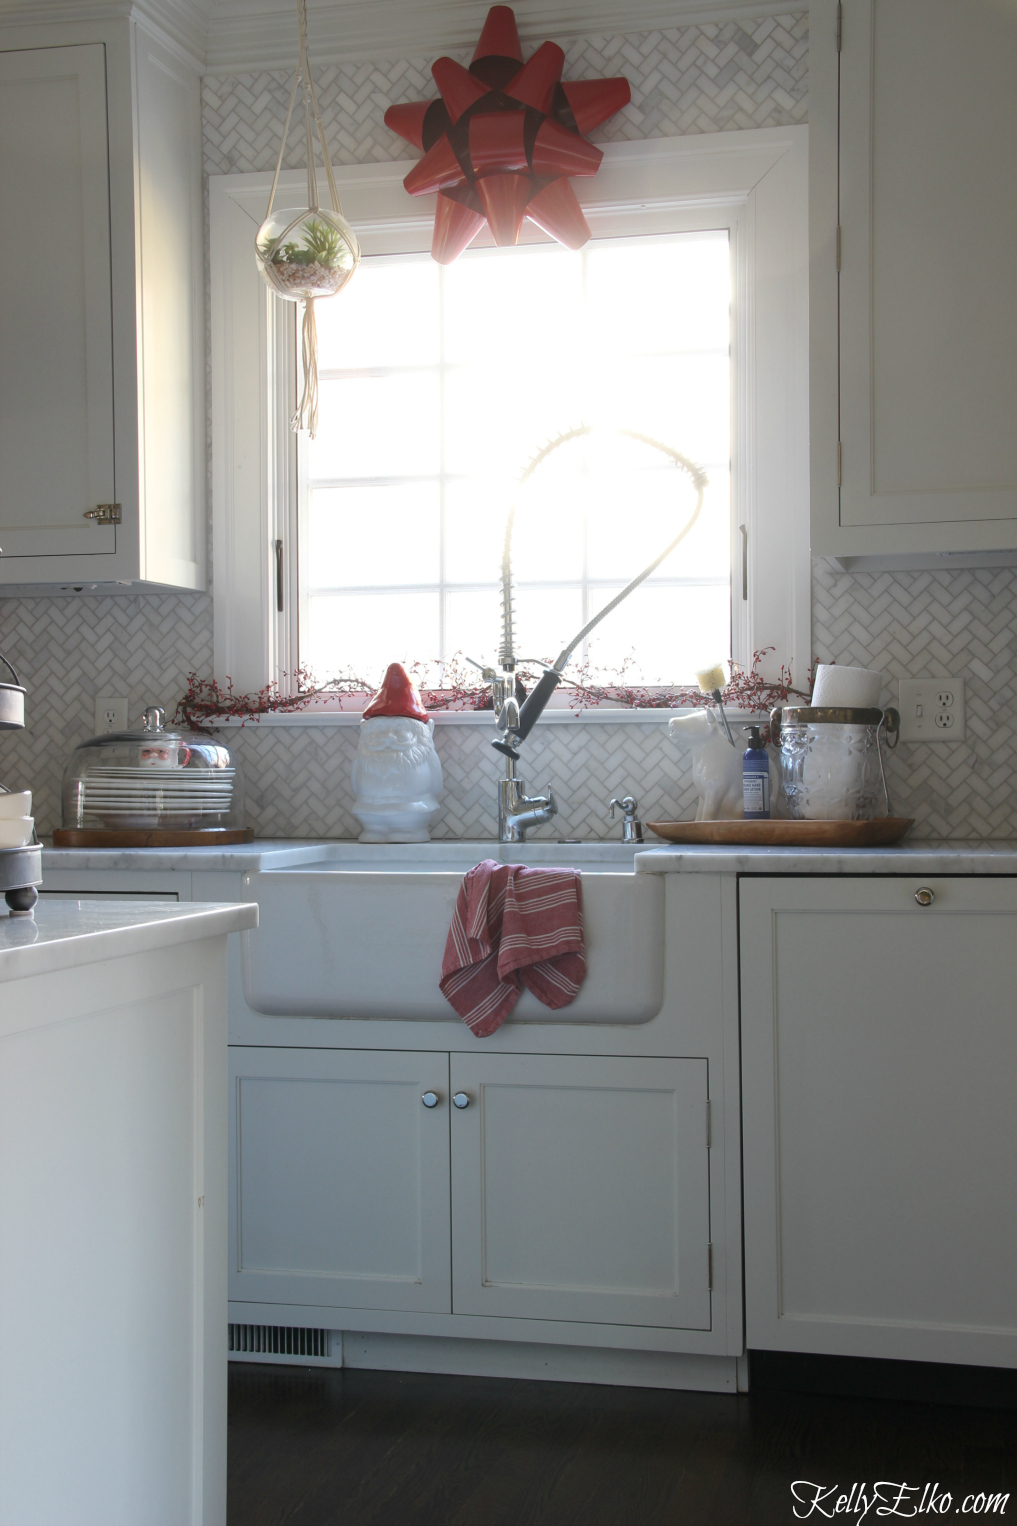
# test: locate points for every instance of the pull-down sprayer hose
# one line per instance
(541, 693)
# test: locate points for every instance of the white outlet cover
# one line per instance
(110, 714)
(932, 709)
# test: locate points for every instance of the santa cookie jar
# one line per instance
(396, 773)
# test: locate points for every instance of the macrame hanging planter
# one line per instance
(307, 253)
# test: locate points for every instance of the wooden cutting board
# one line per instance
(203, 837)
(786, 834)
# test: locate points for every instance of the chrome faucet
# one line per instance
(517, 811)
(515, 721)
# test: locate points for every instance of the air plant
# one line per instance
(323, 245)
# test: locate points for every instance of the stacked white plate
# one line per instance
(166, 793)
(17, 823)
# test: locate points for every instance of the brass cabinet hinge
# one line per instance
(105, 514)
(709, 1265)
(709, 1127)
(838, 464)
(840, 22)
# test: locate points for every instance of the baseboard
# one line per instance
(865, 1377)
(556, 1364)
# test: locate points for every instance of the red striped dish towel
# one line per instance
(513, 925)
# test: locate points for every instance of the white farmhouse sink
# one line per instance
(361, 932)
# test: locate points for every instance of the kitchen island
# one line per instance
(113, 1213)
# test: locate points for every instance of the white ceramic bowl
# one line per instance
(17, 804)
(16, 831)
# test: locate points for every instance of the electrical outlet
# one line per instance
(932, 709)
(110, 714)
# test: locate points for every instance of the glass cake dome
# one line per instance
(155, 779)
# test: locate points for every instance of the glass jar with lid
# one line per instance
(161, 781)
(831, 762)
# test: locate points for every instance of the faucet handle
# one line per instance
(552, 804)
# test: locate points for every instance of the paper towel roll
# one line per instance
(857, 688)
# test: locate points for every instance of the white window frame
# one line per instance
(756, 182)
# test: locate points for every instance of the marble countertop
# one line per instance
(65, 934)
(923, 857)
(926, 856)
(242, 858)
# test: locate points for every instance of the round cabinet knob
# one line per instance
(461, 1100)
(430, 1099)
(925, 896)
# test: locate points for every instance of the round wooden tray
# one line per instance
(790, 834)
(204, 837)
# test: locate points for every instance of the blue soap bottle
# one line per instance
(755, 777)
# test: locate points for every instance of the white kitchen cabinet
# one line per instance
(339, 1178)
(913, 212)
(102, 361)
(580, 1189)
(879, 1070)
(579, 1186)
(603, 1158)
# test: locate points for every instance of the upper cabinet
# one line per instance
(913, 212)
(102, 416)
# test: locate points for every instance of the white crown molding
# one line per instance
(243, 36)
(249, 35)
(183, 24)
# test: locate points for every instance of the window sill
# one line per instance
(604, 716)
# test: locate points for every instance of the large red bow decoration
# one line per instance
(503, 141)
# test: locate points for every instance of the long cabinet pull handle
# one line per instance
(278, 545)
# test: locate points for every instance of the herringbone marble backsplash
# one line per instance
(925, 624)
(906, 625)
(690, 79)
(69, 650)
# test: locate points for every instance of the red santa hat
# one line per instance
(397, 696)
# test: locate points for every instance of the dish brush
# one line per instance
(711, 681)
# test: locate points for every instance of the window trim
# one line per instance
(759, 177)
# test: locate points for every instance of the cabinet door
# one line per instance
(339, 1178)
(56, 357)
(580, 1189)
(928, 282)
(879, 1071)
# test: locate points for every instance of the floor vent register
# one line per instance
(282, 1343)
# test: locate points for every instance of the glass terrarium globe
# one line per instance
(306, 253)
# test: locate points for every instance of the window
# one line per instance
(684, 317)
(438, 385)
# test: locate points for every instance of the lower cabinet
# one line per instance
(538, 1187)
(879, 1072)
(580, 1189)
(339, 1180)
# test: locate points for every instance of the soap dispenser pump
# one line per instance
(755, 777)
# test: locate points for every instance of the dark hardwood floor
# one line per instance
(320, 1447)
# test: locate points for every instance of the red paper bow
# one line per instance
(503, 141)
